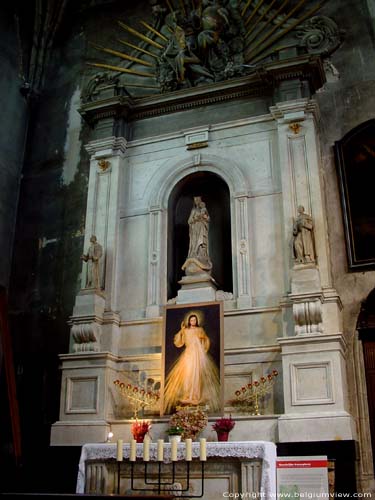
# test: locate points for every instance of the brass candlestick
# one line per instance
(138, 397)
(250, 394)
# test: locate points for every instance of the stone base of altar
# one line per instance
(231, 468)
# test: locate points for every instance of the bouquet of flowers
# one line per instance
(191, 421)
(224, 424)
(139, 429)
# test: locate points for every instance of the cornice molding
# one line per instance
(262, 83)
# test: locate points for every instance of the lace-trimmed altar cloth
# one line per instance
(264, 450)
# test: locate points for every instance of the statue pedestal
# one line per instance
(197, 288)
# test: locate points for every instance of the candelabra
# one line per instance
(251, 393)
(138, 397)
(164, 479)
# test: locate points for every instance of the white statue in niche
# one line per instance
(198, 259)
(303, 232)
(92, 257)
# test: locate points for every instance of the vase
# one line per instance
(139, 438)
(222, 435)
(176, 437)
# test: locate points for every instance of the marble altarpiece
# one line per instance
(252, 123)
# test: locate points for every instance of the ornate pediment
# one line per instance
(189, 43)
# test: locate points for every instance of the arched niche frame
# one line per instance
(215, 193)
(159, 192)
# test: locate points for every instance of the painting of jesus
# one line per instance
(192, 355)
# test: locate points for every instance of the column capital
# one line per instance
(105, 148)
(294, 111)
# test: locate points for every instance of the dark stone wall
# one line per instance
(13, 124)
(346, 102)
(47, 248)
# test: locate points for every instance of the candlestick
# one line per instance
(133, 450)
(188, 443)
(120, 455)
(146, 449)
(203, 449)
(160, 450)
(173, 449)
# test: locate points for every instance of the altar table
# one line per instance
(250, 454)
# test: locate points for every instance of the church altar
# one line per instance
(256, 466)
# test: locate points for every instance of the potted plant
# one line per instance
(139, 429)
(175, 432)
(223, 426)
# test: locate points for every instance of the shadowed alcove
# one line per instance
(215, 193)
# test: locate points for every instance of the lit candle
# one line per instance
(146, 449)
(133, 450)
(120, 455)
(160, 450)
(203, 449)
(189, 445)
(174, 449)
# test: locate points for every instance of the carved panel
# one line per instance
(81, 395)
(311, 383)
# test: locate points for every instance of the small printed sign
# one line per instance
(302, 477)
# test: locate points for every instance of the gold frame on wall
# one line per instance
(210, 320)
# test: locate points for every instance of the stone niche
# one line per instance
(149, 157)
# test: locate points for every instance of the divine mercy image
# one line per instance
(192, 354)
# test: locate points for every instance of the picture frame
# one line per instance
(192, 376)
(355, 160)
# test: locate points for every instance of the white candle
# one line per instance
(188, 443)
(133, 450)
(174, 449)
(146, 449)
(203, 449)
(160, 450)
(120, 455)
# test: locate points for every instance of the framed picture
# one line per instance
(193, 357)
(355, 158)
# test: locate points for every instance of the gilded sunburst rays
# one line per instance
(265, 22)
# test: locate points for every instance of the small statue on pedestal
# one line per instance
(303, 244)
(198, 259)
(92, 257)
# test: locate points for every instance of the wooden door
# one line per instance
(369, 357)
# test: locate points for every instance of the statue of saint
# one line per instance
(194, 377)
(198, 233)
(303, 237)
(92, 257)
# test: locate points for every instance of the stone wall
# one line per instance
(13, 124)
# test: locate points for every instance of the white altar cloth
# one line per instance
(263, 450)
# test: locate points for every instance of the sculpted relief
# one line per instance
(195, 42)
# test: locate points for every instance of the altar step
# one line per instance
(63, 496)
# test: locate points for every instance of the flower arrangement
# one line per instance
(224, 424)
(139, 429)
(191, 421)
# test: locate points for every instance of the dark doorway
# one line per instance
(366, 330)
(215, 194)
